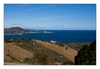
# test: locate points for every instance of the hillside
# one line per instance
(78, 46)
(13, 52)
(68, 53)
(36, 52)
(17, 30)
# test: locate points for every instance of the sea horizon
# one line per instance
(64, 36)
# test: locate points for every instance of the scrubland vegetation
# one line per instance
(86, 55)
(44, 56)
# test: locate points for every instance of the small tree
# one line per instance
(86, 55)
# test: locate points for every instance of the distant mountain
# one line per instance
(17, 30)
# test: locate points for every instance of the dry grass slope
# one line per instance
(12, 51)
(20, 49)
(69, 53)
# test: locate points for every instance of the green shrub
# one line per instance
(60, 44)
(67, 63)
(86, 55)
(41, 57)
(29, 61)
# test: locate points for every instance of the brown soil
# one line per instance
(69, 52)
(12, 51)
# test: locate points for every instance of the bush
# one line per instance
(86, 55)
(29, 61)
(41, 57)
(60, 44)
(67, 63)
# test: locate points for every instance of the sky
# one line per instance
(50, 16)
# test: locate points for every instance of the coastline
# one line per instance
(63, 36)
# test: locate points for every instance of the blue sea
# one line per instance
(64, 36)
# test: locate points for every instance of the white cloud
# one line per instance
(31, 9)
(65, 26)
(49, 18)
(34, 26)
(37, 26)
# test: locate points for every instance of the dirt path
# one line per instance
(69, 53)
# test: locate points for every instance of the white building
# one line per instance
(53, 42)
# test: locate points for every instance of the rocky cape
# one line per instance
(19, 31)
